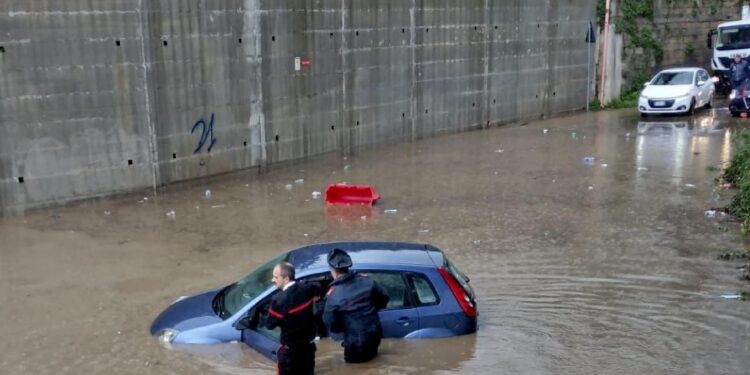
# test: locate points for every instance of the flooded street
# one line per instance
(585, 239)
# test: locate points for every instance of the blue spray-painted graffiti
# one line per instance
(206, 134)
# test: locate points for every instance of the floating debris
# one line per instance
(171, 214)
(689, 185)
(316, 194)
(423, 231)
(288, 186)
(299, 181)
(207, 194)
(107, 213)
(390, 211)
(218, 206)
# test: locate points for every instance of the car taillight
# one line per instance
(461, 296)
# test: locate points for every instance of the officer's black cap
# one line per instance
(339, 259)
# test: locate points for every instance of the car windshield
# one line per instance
(673, 78)
(232, 298)
(733, 37)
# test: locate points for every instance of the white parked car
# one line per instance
(679, 90)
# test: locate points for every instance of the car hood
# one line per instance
(665, 91)
(190, 312)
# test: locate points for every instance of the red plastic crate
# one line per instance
(351, 194)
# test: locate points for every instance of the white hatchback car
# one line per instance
(679, 90)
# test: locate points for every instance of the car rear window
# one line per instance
(424, 291)
(459, 277)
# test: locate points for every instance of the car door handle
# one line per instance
(404, 321)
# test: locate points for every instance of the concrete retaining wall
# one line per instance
(107, 96)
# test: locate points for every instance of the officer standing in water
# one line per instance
(351, 308)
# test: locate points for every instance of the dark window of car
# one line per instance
(673, 78)
(423, 290)
(239, 294)
(394, 286)
(258, 323)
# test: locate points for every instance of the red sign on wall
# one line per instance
(305, 62)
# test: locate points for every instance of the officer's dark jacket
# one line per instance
(740, 71)
(352, 305)
(292, 310)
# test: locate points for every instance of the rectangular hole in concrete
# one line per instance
(277, 137)
(240, 40)
(244, 143)
(130, 161)
(174, 156)
(117, 43)
(2, 49)
(165, 43)
(20, 180)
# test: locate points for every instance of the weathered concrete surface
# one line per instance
(606, 267)
(112, 96)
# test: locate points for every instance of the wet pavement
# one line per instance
(584, 236)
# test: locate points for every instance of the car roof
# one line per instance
(686, 69)
(314, 257)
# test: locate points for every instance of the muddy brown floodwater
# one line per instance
(581, 266)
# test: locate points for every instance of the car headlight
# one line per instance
(644, 96)
(168, 335)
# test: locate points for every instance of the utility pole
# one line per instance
(605, 32)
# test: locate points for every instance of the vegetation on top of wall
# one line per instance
(629, 23)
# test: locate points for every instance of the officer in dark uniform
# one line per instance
(292, 310)
(352, 305)
(739, 72)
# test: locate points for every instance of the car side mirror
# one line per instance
(700, 83)
(646, 84)
(247, 321)
(710, 39)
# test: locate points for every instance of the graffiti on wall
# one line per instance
(207, 133)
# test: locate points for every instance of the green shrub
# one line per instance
(738, 174)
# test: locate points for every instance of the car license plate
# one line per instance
(660, 103)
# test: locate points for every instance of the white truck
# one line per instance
(728, 40)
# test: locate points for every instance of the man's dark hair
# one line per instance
(287, 270)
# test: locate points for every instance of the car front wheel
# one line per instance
(691, 110)
(709, 103)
